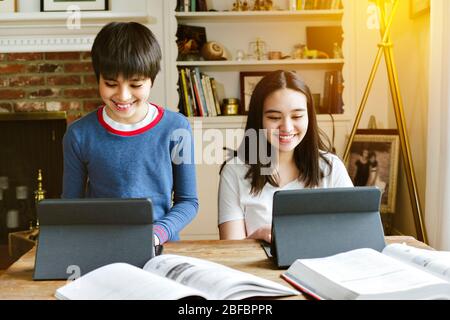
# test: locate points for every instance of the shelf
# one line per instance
(259, 62)
(280, 15)
(19, 20)
(57, 31)
(219, 122)
(253, 23)
(238, 122)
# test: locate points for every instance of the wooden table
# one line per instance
(244, 255)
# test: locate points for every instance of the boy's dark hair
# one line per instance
(306, 154)
(128, 49)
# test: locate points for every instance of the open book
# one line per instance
(399, 272)
(168, 277)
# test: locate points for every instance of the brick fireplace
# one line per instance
(45, 68)
(34, 88)
(48, 81)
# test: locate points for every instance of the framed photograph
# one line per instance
(84, 5)
(373, 161)
(248, 82)
(190, 40)
(7, 6)
(418, 7)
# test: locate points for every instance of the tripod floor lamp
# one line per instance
(385, 48)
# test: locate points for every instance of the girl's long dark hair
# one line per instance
(306, 155)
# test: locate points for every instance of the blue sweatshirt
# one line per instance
(155, 162)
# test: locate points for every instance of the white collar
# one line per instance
(152, 113)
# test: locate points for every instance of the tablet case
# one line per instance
(80, 235)
(314, 223)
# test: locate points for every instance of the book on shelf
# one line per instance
(198, 94)
(216, 96)
(184, 97)
(207, 97)
(333, 102)
(327, 92)
(398, 272)
(319, 4)
(338, 101)
(183, 5)
(191, 5)
(192, 97)
(210, 101)
(170, 277)
(202, 5)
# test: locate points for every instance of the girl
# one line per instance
(282, 105)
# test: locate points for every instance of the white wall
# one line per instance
(438, 180)
(411, 51)
(366, 40)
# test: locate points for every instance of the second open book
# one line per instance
(399, 272)
(170, 277)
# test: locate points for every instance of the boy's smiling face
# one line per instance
(125, 99)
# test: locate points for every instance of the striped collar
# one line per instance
(153, 116)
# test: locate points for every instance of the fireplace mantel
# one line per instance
(55, 32)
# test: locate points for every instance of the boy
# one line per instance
(126, 148)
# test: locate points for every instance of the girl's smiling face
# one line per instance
(125, 99)
(285, 116)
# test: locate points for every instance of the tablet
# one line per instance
(315, 223)
(79, 235)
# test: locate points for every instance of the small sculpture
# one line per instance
(337, 51)
(298, 51)
(258, 5)
(237, 6)
(268, 5)
(240, 55)
(212, 50)
(258, 48)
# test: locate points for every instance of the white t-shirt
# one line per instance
(236, 202)
(152, 113)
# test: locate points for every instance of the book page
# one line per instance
(219, 281)
(121, 281)
(436, 262)
(368, 272)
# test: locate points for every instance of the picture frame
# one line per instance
(248, 80)
(190, 40)
(7, 6)
(418, 7)
(373, 161)
(84, 5)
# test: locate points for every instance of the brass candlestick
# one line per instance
(39, 194)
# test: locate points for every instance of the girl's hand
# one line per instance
(263, 233)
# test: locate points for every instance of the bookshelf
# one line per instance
(223, 25)
(281, 30)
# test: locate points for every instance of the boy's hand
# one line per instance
(263, 233)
